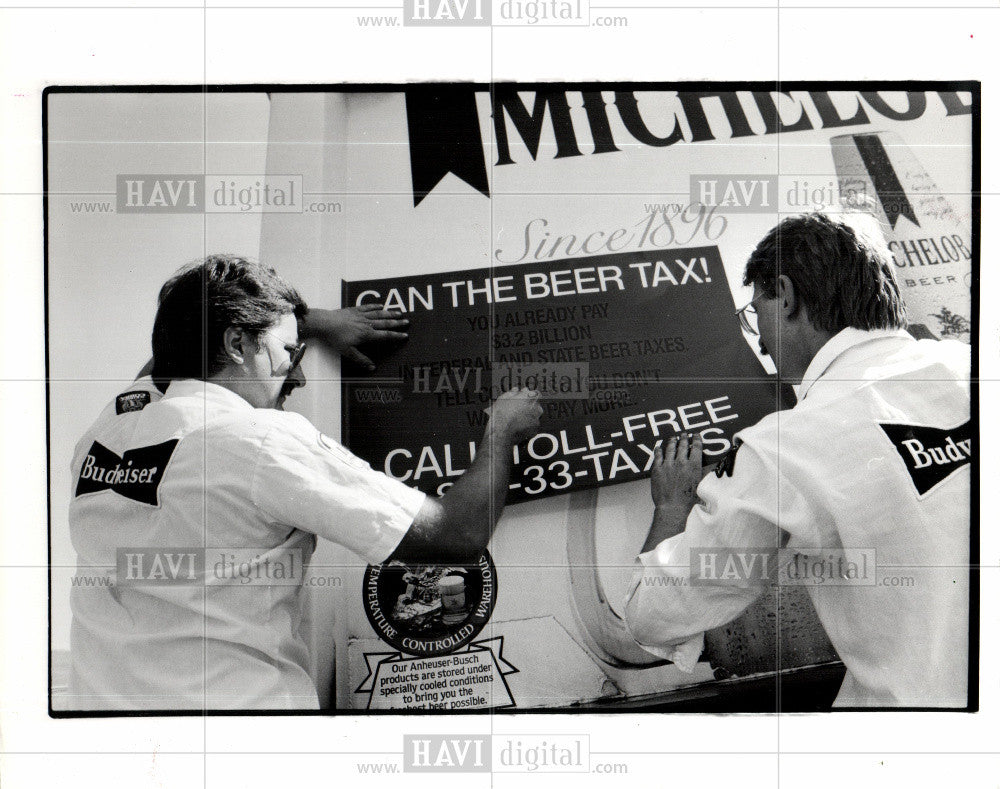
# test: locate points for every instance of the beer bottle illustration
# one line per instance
(930, 243)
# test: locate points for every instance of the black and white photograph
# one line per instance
(693, 361)
(594, 421)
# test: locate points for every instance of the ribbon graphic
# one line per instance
(890, 192)
(471, 678)
(443, 125)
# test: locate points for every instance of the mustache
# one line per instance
(286, 388)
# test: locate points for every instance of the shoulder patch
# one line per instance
(725, 466)
(931, 454)
(131, 401)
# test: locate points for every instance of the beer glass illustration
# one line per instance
(452, 588)
(930, 242)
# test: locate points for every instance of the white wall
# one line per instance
(105, 269)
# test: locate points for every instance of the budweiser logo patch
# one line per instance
(135, 475)
(131, 401)
(931, 454)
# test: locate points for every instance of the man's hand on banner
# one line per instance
(676, 472)
(517, 413)
(674, 480)
(345, 329)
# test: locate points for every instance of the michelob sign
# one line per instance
(620, 311)
(930, 241)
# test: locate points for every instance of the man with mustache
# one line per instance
(201, 455)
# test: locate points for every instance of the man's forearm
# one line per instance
(474, 503)
(458, 526)
(311, 324)
(668, 521)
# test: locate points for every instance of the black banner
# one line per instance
(626, 350)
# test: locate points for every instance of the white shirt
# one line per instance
(873, 461)
(200, 471)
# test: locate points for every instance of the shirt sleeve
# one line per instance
(305, 479)
(707, 575)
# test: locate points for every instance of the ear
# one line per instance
(235, 344)
(788, 301)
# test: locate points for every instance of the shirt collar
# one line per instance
(213, 393)
(836, 346)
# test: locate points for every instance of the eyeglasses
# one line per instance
(744, 313)
(295, 352)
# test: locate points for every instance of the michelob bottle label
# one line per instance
(930, 244)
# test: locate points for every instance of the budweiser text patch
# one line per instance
(135, 475)
(931, 454)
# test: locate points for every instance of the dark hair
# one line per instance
(841, 269)
(201, 301)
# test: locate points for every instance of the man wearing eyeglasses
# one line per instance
(206, 498)
(861, 492)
